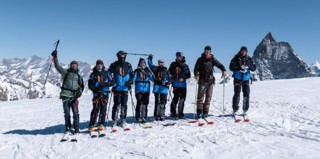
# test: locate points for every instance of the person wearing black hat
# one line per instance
(99, 82)
(162, 80)
(71, 90)
(241, 65)
(203, 72)
(180, 72)
(123, 77)
(142, 77)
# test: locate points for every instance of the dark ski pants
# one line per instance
(69, 103)
(160, 105)
(238, 84)
(179, 98)
(205, 90)
(99, 107)
(120, 100)
(142, 105)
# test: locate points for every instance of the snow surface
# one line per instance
(284, 123)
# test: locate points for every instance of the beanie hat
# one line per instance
(74, 62)
(99, 62)
(207, 48)
(179, 54)
(141, 60)
(160, 61)
(244, 48)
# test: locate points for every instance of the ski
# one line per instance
(113, 130)
(74, 137)
(208, 122)
(201, 122)
(101, 133)
(93, 133)
(146, 126)
(192, 121)
(245, 117)
(236, 120)
(65, 137)
(168, 124)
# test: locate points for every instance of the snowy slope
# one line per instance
(25, 78)
(284, 113)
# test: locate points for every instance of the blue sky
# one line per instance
(91, 30)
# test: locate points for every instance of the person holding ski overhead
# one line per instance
(99, 82)
(160, 88)
(142, 77)
(241, 65)
(203, 72)
(123, 76)
(71, 90)
(179, 71)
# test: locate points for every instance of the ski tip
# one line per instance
(127, 129)
(193, 121)
(147, 127)
(201, 124)
(211, 122)
(238, 120)
(114, 130)
(247, 120)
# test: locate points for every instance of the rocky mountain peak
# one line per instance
(277, 60)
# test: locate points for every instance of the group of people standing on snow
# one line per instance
(120, 77)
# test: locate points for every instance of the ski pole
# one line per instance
(137, 54)
(108, 108)
(45, 81)
(133, 106)
(170, 93)
(196, 97)
(224, 80)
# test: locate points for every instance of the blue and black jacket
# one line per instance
(235, 66)
(142, 78)
(99, 82)
(162, 77)
(122, 73)
(179, 70)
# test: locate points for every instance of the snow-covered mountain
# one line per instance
(315, 68)
(24, 78)
(277, 60)
(284, 124)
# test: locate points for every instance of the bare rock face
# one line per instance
(277, 60)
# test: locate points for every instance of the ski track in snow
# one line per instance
(284, 123)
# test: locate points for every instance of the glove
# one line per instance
(54, 54)
(181, 80)
(244, 69)
(129, 83)
(78, 94)
(150, 57)
(224, 74)
(196, 77)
